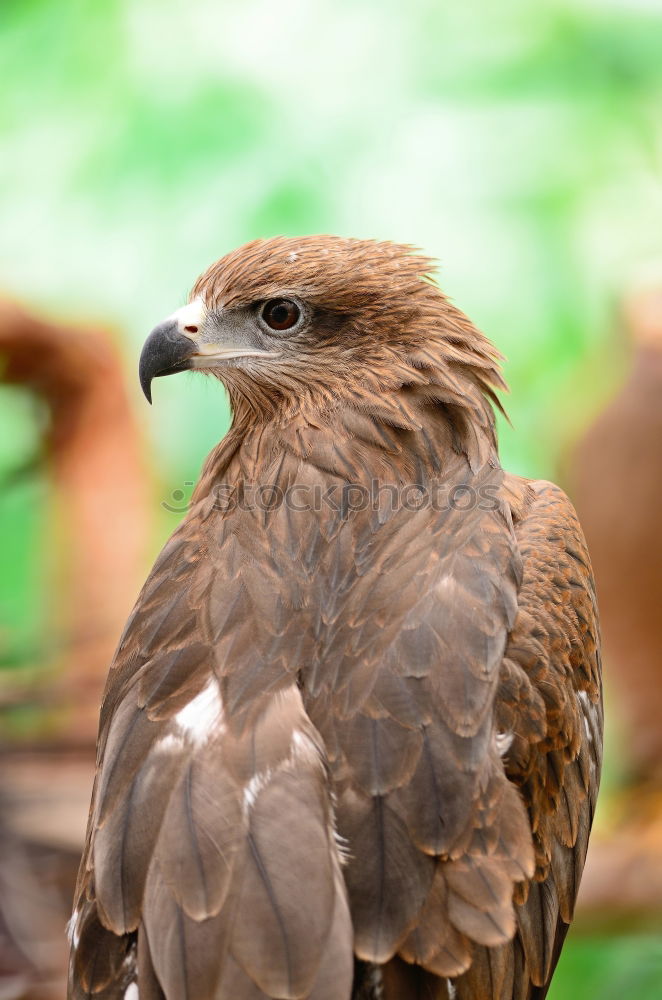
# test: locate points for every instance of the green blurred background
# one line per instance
(519, 143)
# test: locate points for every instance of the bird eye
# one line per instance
(280, 314)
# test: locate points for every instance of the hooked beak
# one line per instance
(181, 343)
(166, 352)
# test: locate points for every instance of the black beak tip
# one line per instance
(146, 386)
(165, 352)
(145, 375)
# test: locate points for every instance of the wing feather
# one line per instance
(440, 702)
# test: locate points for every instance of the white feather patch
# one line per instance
(171, 743)
(203, 715)
(503, 742)
(304, 748)
(447, 583)
(73, 930)
(254, 787)
(589, 712)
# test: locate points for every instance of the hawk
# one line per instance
(350, 741)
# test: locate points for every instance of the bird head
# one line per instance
(302, 323)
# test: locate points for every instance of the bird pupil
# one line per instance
(281, 314)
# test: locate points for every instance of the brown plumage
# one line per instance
(350, 741)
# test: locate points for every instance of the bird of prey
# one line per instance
(350, 741)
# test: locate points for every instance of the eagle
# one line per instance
(350, 741)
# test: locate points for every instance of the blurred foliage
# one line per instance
(598, 968)
(519, 143)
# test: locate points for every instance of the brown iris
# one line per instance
(280, 314)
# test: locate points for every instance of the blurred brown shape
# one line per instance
(92, 453)
(616, 485)
(622, 882)
(43, 808)
(617, 488)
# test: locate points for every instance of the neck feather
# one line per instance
(406, 422)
